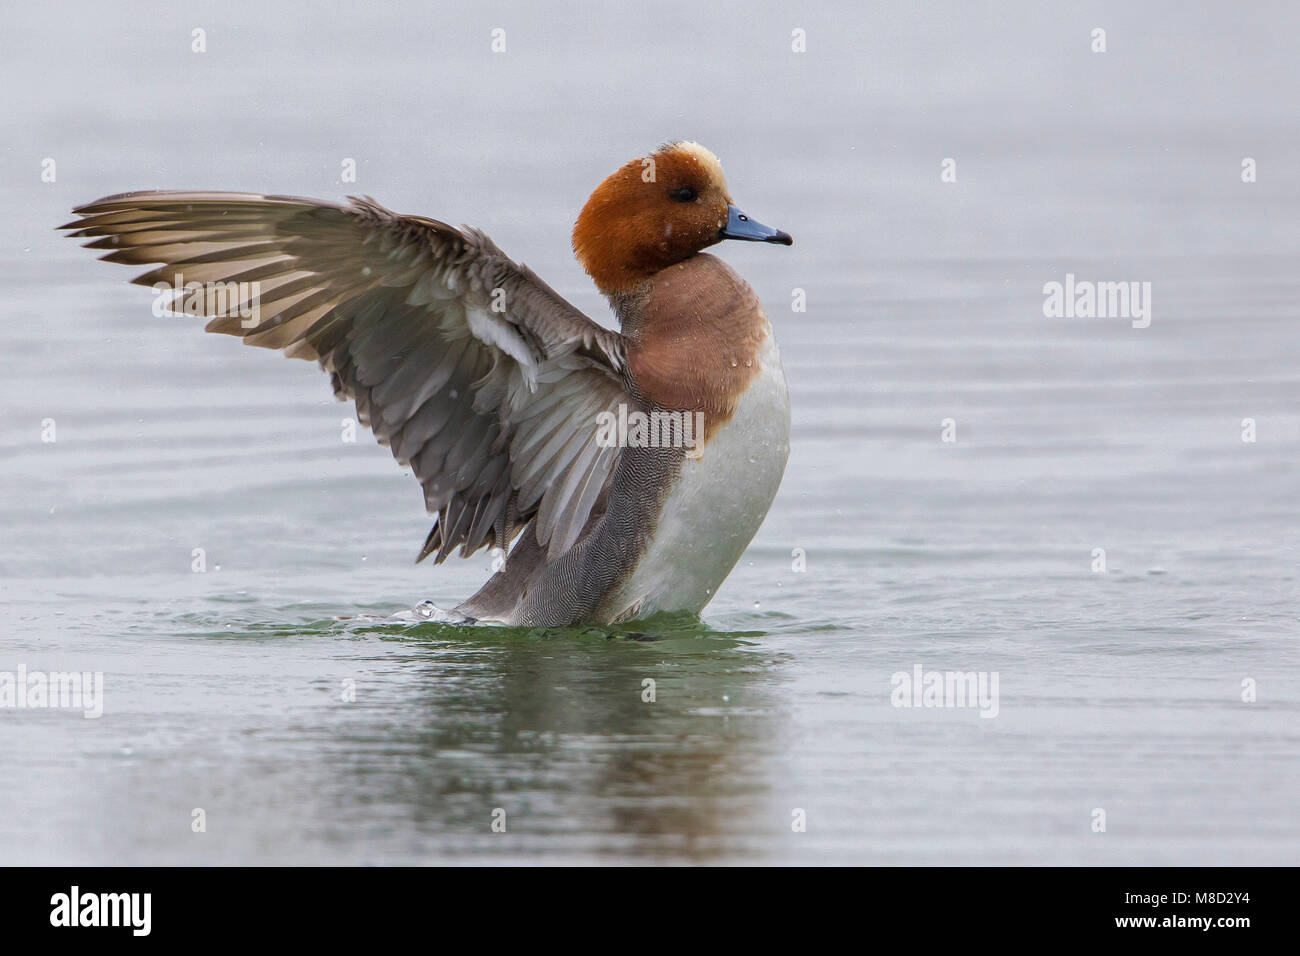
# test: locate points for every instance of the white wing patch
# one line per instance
(494, 330)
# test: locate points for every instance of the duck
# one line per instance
(614, 475)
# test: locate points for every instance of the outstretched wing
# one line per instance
(474, 372)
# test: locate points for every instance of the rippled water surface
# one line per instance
(887, 548)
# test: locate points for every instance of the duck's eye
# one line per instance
(685, 194)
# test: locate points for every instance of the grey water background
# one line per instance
(1119, 690)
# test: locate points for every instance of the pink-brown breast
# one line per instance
(696, 338)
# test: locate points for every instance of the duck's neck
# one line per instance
(699, 295)
(695, 331)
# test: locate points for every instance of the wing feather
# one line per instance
(478, 375)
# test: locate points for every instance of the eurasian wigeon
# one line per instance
(630, 469)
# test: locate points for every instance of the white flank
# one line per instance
(717, 503)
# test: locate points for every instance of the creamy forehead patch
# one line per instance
(702, 156)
